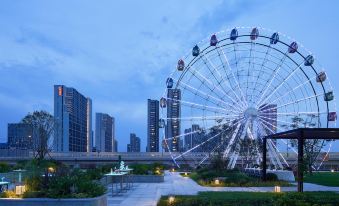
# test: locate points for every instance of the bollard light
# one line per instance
(277, 189)
(185, 173)
(171, 199)
(216, 181)
(20, 189)
(51, 170)
(332, 170)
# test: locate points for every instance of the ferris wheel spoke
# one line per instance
(204, 117)
(295, 88)
(226, 76)
(209, 82)
(208, 96)
(197, 146)
(297, 113)
(249, 71)
(218, 81)
(265, 88)
(282, 83)
(262, 65)
(293, 102)
(231, 141)
(238, 85)
(273, 149)
(194, 132)
(208, 140)
(267, 118)
(200, 106)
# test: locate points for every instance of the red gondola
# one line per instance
(254, 34)
(332, 116)
(181, 65)
(321, 77)
(293, 47)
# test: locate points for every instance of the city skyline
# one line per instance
(39, 51)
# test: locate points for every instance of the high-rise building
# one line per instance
(173, 118)
(115, 145)
(134, 145)
(152, 125)
(20, 136)
(188, 139)
(104, 129)
(268, 113)
(73, 114)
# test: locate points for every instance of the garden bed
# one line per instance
(253, 199)
(232, 178)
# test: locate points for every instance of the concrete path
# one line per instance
(148, 194)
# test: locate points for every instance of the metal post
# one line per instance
(300, 162)
(264, 159)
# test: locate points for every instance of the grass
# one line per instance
(234, 179)
(253, 198)
(323, 178)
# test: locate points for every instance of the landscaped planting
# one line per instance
(253, 199)
(232, 178)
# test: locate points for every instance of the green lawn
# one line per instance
(253, 198)
(323, 178)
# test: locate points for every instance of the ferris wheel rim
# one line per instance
(268, 46)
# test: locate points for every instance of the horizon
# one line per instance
(121, 58)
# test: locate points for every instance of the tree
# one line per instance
(43, 127)
(312, 147)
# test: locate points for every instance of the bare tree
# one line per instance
(43, 127)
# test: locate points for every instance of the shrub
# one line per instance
(4, 167)
(271, 177)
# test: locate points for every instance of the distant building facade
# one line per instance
(20, 136)
(152, 126)
(104, 132)
(73, 114)
(173, 119)
(115, 145)
(134, 145)
(268, 112)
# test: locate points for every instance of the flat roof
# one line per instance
(307, 133)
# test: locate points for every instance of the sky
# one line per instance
(119, 53)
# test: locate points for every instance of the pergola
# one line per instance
(300, 134)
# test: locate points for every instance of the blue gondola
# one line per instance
(234, 34)
(274, 38)
(329, 96)
(169, 83)
(321, 77)
(163, 102)
(254, 34)
(195, 51)
(293, 47)
(214, 40)
(181, 65)
(309, 60)
(161, 123)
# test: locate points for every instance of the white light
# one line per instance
(276, 188)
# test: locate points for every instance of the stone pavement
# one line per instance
(148, 194)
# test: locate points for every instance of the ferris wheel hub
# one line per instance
(251, 113)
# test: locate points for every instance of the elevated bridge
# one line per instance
(84, 159)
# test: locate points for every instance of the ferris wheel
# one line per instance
(237, 86)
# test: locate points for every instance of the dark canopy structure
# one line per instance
(301, 135)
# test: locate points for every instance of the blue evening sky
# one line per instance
(119, 53)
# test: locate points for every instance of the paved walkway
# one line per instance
(148, 194)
